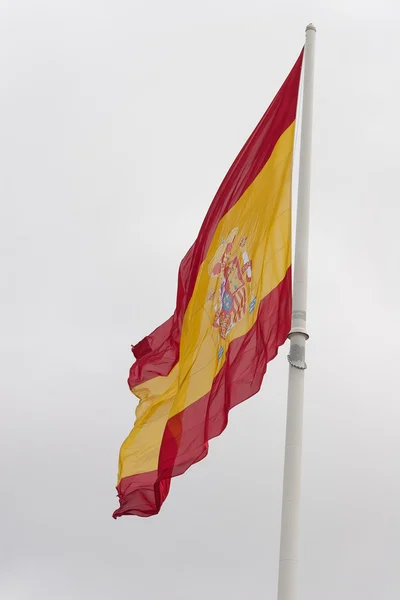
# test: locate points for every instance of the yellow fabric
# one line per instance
(258, 224)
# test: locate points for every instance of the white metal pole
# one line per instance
(288, 560)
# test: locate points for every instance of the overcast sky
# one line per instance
(119, 119)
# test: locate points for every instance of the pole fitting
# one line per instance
(297, 356)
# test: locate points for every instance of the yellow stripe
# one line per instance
(263, 216)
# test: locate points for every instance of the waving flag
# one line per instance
(233, 311)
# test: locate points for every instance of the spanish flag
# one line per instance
(233, 311)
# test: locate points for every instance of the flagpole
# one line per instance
(289, 547)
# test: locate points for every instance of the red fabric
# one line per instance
(159, 352)
(186, 435)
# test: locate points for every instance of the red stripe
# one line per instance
(186, 435)
(159, 352)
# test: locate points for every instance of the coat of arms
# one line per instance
(231, 264)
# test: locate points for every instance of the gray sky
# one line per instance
(119, 120)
